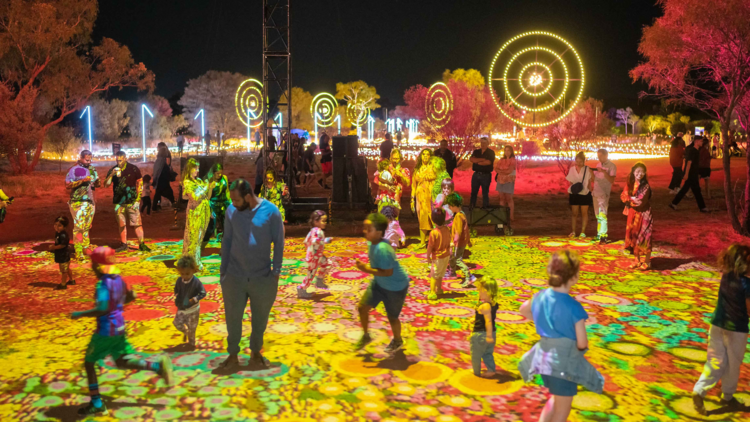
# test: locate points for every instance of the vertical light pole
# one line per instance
(338, 120)
(399, 123)
(203, 128)
(389, 125)
(371, 128)
(359, 131)
(278, 120)
(88, 110)
(316, 127)
(144, 109)
(248, 129)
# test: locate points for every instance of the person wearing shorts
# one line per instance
(127, 184)
(389, 285)
(604, 176)
(81, 180)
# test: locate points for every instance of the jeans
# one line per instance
(676, 178)
(165, 191)
(726, 350)
(482, 351)
(480, 179)
(457, 261)
(692, 183)
(146, 205)
(261, 291)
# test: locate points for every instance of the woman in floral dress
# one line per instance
(421, 193)
(400, 178)
(639, 229)
(219, 202)
(275, 191)
(197, 192)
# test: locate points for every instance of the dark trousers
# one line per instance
(146, 205)
(165, 191)
(692, 183)
(676, 178)
(483, 180)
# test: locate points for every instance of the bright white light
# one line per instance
(535, 79)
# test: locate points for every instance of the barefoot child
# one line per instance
(111, 295)
(461, 237)
(188, 291)
(438, 253)
(484, 336)
(62, 253)
(393, 235)
(558, 356)
(727, 338)
(389, 285)
(317, 262)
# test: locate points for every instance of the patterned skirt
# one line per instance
(639, 231)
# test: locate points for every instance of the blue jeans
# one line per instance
(261, 290)
(482, 351)
(483, 180)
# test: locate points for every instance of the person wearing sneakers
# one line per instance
(604, 176)
(111, 295)
(579, 197)
(81, 180)
(691, 179)
(676, 157)
(127, 184)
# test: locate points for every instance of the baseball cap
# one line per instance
(103, 256)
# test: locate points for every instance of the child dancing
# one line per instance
(438, 252)
(111, 294)
(393, 235)
(188, 291)
(317, 263)
(484, 336)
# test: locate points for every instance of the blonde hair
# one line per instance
(734, 259)
(187, 261)
(489, 285)
(191, 165)
(563, 266)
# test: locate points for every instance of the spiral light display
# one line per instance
(539, 75)
(326, 107)
(357, 117)
(439, 105)
(248, 103)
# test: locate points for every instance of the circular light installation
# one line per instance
(248, 103)
(325, 106)
(439, 105)
(547, 78)
(357, 117)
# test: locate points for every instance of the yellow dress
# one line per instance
(422, 182)
(197, 218)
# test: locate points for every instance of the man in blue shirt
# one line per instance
(251, 224)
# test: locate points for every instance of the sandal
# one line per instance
(572, 235)
(634, 266)
(644, 267)
(583, 235)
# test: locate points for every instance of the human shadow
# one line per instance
(69, 412)
(663, 264)
(728, 409)
(250, 366)
(502, 377)
(318, 297)
(180, 348)
(43, 247)
(394, 362)
(451, 295)
(43, 284)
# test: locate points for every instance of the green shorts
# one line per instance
(102, 346)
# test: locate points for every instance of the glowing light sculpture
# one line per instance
(439, 105)
(371, 128)
(249, 104)
(144, 109)
(358, 116)
(323, 110)
(528, 84)
(338, 120)
(202, 113)
(88, 110)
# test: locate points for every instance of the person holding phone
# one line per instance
(579, 198)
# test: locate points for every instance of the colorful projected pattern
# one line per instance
(439, 105)
(248, 103)
(647, 335)
(528, 83)
(325, 106)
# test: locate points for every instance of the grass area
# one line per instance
(31, 185)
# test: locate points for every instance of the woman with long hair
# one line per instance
(505, 168)
(579, 198)
(639, 229)
(161, 176)
(197, 192)
(275, 191)
(219, 202)
(421, 193)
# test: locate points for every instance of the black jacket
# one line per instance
(183, 292)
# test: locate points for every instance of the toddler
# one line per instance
(438, 252)
(484, 336)
(561, 323)
(62, 252)
(393, 235)
(447, 188)
(188, 291)
(461, 237)
(317, 263)
(146, 194)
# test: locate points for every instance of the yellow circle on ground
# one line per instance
(447, 418)
(592, 402)
(425, 373)
(454, 312)
(606, 300)
(372, 406)
(468, 383)
(553, 244)
(456, 401)
(509, 316)
(688, 353)
(339, 287)
(355, 367)
(684, 406)
(632, 349)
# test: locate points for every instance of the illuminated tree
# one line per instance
(654, 122)
(623, 116)
(357, 94)
(697, 54)
(301, 101)
(472, 77)
(109, 118)
(49, 69)
(160, 127)
(581, 124)
(58, 141)
(214, 92)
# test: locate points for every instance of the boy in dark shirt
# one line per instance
(62, 252)
(188, 291)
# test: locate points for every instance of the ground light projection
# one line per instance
(647, 336)
(248, 103)
(540, 75)
(439, 105)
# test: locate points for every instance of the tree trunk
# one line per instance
(728, 191)
(746, 217)
(37, 151)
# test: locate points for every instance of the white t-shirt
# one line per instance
(602, 186)
(575, 177)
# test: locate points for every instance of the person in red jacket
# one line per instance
(676, 157)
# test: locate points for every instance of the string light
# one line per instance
(439, 105)
(248, 102)
(323, 108)
(357, 115)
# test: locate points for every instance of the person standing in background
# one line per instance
(691, 176)
(483, 160)
(676, 156)
(447, 155)
(604, 177)
(126, 182)
(386, 147)
(81, 180)
(162, 176)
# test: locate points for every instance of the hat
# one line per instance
(104, 257)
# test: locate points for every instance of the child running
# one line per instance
(188, 291)
(111, 294)
(727, 338)
(62, 253)
(461, 236)
(438, 252)
(389, 285)
(393, 235)
(317, 262)
(560, 322)
(484, 336)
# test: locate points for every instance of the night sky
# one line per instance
(389, 44)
